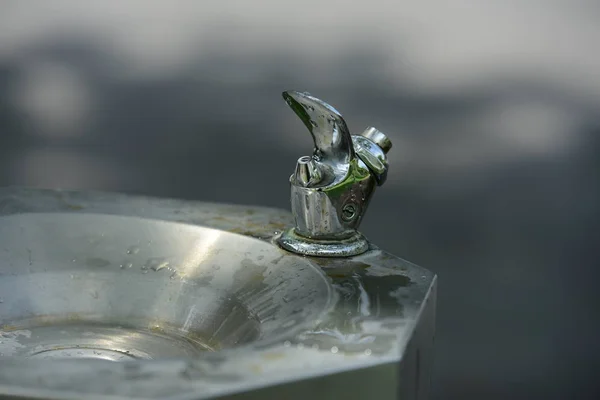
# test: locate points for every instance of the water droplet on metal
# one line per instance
(158, 267)
(133, 250)
(334, 349)
(367, 352)
(287, 343)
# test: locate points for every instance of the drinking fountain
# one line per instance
(112, 296)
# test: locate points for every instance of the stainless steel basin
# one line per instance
(116, 288)
(195, 300)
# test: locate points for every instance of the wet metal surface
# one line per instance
(200, 309)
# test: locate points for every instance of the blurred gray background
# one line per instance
(493, 108)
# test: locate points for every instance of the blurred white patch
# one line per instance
(51, 167)
(54, 97)
(534, 127)
(432, 46)
(511, 130)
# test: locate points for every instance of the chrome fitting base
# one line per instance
(354, 245)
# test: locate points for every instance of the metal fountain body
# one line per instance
(332, 188)
(110, 296)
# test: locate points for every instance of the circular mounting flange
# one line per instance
(352, 246)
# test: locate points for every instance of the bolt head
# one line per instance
(349, 212)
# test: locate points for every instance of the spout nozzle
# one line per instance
(307, 172)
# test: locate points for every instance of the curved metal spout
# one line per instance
(333, 143)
